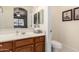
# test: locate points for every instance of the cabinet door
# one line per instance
(40, 47)
(28, 48)
(6, 47)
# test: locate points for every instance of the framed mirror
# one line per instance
(20, 18)
(35, 18)
(39, 17)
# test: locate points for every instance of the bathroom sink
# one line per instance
(37, 31)
(6, 35)
(26, 33)
(15, 36)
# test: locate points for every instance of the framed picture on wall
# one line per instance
(76, 13)
(67, 15)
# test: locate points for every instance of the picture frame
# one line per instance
(67, 15)
(76, 13)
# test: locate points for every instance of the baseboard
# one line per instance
(67, 48)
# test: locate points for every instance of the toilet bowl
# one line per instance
(56, 46)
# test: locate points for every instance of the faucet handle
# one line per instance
(23, 33)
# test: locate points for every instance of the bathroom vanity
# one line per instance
(31, 44)
(22, 22)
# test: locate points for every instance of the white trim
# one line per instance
(67, 48)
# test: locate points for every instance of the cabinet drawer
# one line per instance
(23, 42)
(40, 39)
(28, 48)
(6, 45)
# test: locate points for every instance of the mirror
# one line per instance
(35, 18)
(15, 17)
(38, 18)
(20, 18)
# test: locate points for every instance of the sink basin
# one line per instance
(15, 36)
(3, 35)
(6, 37)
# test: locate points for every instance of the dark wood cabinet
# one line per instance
(40, 44)
(24, 45)
(28, 48)
(34, 44)
(39, 47)
(6, 47)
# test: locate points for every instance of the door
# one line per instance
(40, 47)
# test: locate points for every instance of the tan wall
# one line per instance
(65, 32)
(6, 18)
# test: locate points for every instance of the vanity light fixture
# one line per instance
(18, 14)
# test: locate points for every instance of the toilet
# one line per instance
(56, 46)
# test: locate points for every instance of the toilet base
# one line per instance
(52, 49)
(56, 46)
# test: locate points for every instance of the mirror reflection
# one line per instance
(20, 18)
(38, 18)
(35, 18)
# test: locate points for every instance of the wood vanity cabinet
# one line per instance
(28, 48)
(6, 46)
(40, 44)
(34, 44)
(24, 45)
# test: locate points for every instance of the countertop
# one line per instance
(13, 36)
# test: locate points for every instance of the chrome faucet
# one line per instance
(17, 32)
(23, 33)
